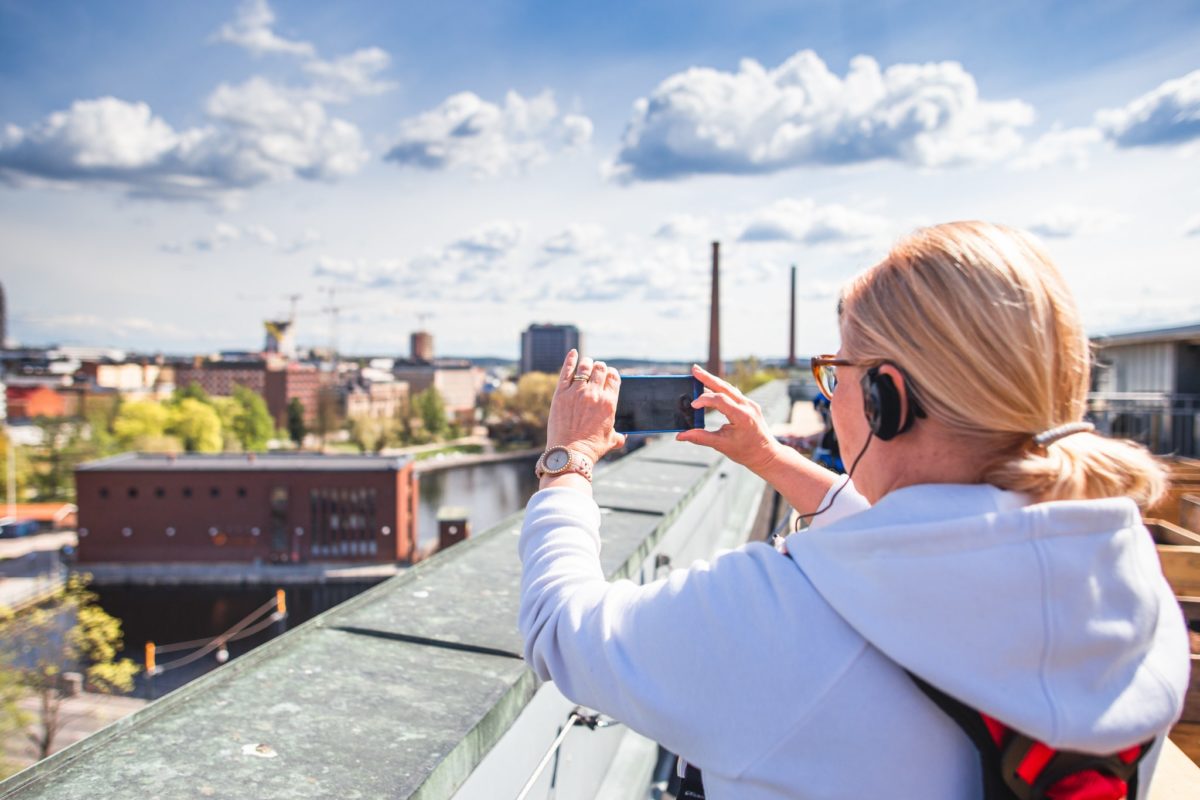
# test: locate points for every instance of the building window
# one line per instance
(187, 491)
(241, 492)
(214, 492)
(133, 493)
(160, 491)
(103, 491)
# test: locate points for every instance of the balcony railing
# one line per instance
(416, 688)
(1168, 424)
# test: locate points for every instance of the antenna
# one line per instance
(293, 299)
(332, 310)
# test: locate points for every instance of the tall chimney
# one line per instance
(792, 322)
(714, 322)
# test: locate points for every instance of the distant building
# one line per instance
(1146, 386)
(3, 319)
(421, 346)
(376, 399)
(29, 402)
(458, 382)
(543, 347)
(281, 338)
(219, 378)
(275, 507)
(303, 382)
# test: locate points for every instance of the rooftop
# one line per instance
(1181, 333)
(243, 462)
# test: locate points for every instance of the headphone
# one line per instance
(882, 406)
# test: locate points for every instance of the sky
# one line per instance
(173, 174)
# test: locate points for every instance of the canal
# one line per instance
(168, 614)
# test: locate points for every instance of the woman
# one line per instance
(990, 543)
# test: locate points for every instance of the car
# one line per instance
(13, 529)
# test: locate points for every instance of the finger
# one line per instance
(699, 436)
(722, 403)
(599, 373)
(584, 367)
(618, 440)
(614, 379)
(568, 367)
(713, 382)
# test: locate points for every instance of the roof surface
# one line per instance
(243, 462)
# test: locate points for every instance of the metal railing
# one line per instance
(1168, 424)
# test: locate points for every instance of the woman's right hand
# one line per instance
(745, 437)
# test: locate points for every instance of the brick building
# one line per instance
(28, 402)
(276, 381)
(220, 377)
(139, 507)
(303, 382)
(378, 399)
(458, 382)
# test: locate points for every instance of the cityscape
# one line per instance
(284, 299)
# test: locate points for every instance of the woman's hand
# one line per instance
(745, 437)
(582, 412)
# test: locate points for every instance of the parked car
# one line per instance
(15, 528)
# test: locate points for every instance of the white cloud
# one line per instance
(341, 79)
(684, 226)
(1170, 114)
(468, 132)
(491, 241)
(1059, 145)
(757, 120)
(251, 29)
(805, 222)
(576, 239)
(1192, 226)
(1067, 221)
(259, 133)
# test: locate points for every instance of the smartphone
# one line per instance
(658, 404)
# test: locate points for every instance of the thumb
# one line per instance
(698, 436)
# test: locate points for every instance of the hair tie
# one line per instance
(1049, 437)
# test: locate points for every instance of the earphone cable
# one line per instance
(845, 483)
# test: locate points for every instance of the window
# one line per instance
(103, 491)
(214, 491)
(241, 492)
(160, 491)
(133, 492)
(187, 491)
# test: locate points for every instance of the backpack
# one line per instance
(1016, 767)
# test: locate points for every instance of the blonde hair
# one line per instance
(982, 324)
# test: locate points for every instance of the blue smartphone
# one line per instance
(658, 404)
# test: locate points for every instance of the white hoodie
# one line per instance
(778, 674)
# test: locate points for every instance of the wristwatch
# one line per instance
(558, 460)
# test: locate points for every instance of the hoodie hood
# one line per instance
(1054, 617)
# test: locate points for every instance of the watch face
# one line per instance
(557, 459)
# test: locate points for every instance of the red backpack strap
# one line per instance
(1016, 767)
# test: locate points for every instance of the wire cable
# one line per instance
(238, 631)
(845, 483)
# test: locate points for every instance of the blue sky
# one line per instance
(169, 172)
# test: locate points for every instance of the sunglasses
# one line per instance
(824, 369)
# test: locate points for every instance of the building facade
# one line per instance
(275, 508)
(458, 382)
(1146, 386)
(543, 347)
(421, 346)
(378, 400)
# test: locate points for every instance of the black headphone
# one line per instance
(881, 404)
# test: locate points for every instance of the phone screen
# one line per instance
(658, 404)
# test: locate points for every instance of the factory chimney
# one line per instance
(792, 322)
(714, 322)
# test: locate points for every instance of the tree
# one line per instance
(66, 633)
(197, 425)
(295, 421)
(328, 419)
(369, 433)
(431, 410)
(193, 390)
(252, 425)
(531, 403)
(139, 421)
(54, 461)
(13, 719)
(748, 374)
(21, 464)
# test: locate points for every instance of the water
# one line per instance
(166, 614)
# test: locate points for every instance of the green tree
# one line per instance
(66, 633)
(53, 462)
(197, 425)
(431, 410)
(369, 433)
(531, 404)
(295, 421)
(252, 425)
(194, 391)
(21, 471)
(13, 719)
(138, 422)
(748, 374)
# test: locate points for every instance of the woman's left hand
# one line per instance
(582, 412)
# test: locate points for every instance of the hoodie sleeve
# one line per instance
(846, 503)
(687, 661)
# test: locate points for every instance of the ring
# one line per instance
(581, 377)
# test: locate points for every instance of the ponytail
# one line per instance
(1082, 466)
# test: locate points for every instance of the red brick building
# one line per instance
(279, 507)
(277, 383)
(303, 382)
(27, 402)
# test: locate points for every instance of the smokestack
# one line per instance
(792, 322)
(714, 322)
